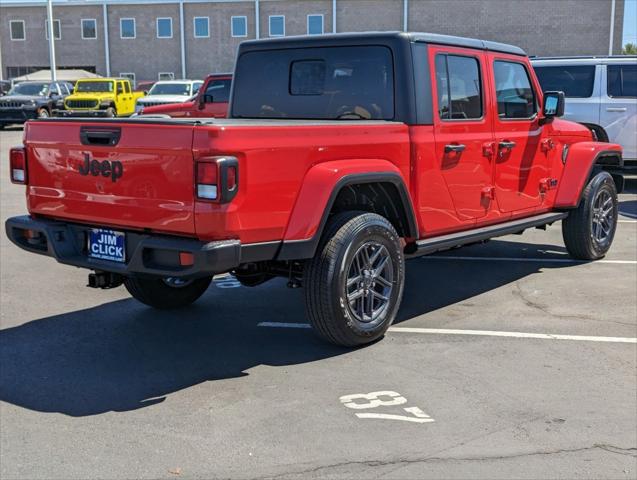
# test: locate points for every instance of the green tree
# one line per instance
(629, 49)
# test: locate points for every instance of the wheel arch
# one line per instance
(582, 161)
(600, 132)
(386, 186)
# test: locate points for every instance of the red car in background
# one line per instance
(210, 101)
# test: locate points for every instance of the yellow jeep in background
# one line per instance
(100, 97)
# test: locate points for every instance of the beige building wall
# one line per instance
(541, 27)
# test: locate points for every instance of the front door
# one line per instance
(215, 98)
(462, 129)
(520, 163)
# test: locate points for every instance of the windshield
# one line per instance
(170, 89)
(38, 89)
(94, 87)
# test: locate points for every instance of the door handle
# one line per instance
(616, 109)
(456, 147)
(505, 144)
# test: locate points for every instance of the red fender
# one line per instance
(578, 165)
(318, 185)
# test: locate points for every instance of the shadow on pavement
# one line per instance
(123, 356)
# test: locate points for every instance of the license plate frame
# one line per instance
(106, 244)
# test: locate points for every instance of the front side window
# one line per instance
(622, 81)
(130, 76)
(218, 90)
(336, 83)
(315, 24)
(89, 28)
(201, 26)
(164, 28)
(57, 29)
(17, 29)
(513, 90)
(277, 26)
(127, 28)
(576, 81)
(120, 87)
(459, 87)
(239, 26)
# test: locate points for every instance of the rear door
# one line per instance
(619, 108)
(520, 164)
(462, 128)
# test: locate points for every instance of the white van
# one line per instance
(601, 93)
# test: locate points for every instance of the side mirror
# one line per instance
(553, 104)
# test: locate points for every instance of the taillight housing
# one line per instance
(217, 179)
(18, 165)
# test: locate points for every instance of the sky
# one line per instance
(630, 22)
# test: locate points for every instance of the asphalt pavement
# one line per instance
(508, 360)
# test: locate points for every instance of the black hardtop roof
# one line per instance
(334, 39)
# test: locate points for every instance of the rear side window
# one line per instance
(354, 83)
(622, 81)
(459, 87)
(514, 94)
(127, 87)
(576, 81)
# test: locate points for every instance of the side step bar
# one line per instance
(444, 242)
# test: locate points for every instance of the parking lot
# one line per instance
(508, 360)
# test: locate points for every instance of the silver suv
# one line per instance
(601, 93)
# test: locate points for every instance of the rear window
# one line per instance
(353, 83)
(576, 81)
(622, 81)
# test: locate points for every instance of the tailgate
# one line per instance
(121, 174)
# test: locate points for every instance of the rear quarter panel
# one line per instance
(274, 160)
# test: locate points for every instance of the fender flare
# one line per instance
(579, 162)
(321, 186)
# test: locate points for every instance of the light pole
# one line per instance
(49, 12)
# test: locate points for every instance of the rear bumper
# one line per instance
(147, 254)
(80, 113)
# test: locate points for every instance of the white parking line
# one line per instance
(522, 259)
(485, 333)
(626, 221)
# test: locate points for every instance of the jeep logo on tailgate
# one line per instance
(113, 169)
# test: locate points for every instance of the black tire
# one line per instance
(347, 236)
(159, 293)
(587, 234)
(111, 112)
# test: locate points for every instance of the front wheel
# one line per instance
(110, 112)
(166, 293)
(589, 230)
(43, 113)
(354, 284)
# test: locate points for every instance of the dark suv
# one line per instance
(27, 100)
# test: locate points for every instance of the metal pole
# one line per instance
(1, 66)
(405, 15)
(256, 19)
(107, 51)
(49, 12)
(182, 38)
(333, 16)
(612, 27)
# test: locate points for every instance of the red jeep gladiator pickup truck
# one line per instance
(210, 102)
(342, 154)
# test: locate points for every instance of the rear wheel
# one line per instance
(589, 230)
(354, 284)
(166, 293)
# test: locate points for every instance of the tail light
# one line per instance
(217, 179)
(18, 163)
